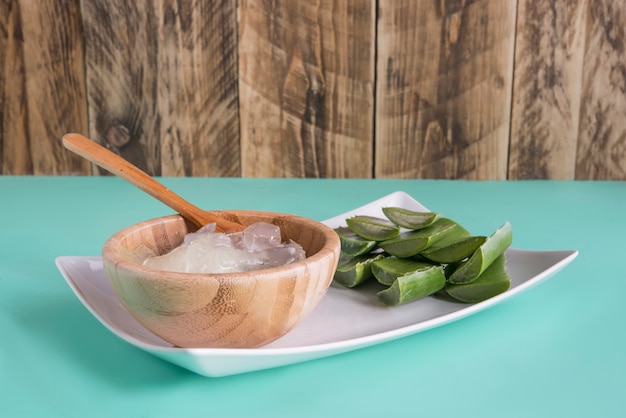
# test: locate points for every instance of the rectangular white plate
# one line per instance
(345, 320)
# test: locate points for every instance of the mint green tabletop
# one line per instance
(555, 350)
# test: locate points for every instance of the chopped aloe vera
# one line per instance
(413, 286)
(453, 252)
(411, 243)
(373, 228)
(481, 259)
(388, 269)
(410, 219)
(352, 244)
(493, 281)
(353, 271)
(452, 247)
(417, 254)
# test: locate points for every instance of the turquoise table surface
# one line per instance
(555, 350)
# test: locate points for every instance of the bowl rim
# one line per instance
(110, 252)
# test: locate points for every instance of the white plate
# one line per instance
(345, 320)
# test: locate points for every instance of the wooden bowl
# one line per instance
(230, 310)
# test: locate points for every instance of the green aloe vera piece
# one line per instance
(410, 219)
(387, 270)
(353, 271)
(454, 236)
(493, 247)
(373, 228)
(453, 251)
(413, 286)
(352, 244)
(411, 243)
(493, 281)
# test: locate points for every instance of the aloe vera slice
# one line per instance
(387, 270)
(352, 244)
(492, 248)
(372, 228)
(413, 286)
(452, 237)
(353, 271)
(493, 281)
(410, 219)
(453, 251)
(411, 243)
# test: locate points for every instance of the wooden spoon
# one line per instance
(117, 165)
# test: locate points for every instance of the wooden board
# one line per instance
(306, 85)
(601, 153)
(444, 74)
(162, 82)
(15, 155)
(43, 87)
(461, 89)
(547, 89)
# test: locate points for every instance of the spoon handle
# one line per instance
(120, 167)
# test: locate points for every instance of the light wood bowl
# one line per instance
(229, 310)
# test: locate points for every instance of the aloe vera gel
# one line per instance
(418, 254)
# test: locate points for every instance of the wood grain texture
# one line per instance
(547, 88)
(15, 156)
(306, 83)
(601, 153)
(43, 86)
(463, 89)
(444, 76)
(162, 81)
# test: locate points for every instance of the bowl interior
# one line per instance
(161, 235)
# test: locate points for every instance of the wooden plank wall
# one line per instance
(42, 85)
(306, 88)
(455, 89)
(443, 104)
